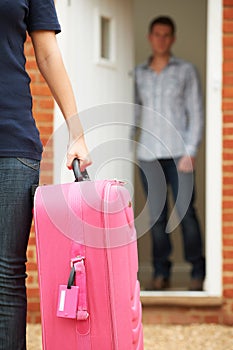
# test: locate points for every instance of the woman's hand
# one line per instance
(78, 149)
(77, 146)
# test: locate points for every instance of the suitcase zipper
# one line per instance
(109, 264)
(110, 301)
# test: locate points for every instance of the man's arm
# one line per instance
(194, 111)
(137, 108)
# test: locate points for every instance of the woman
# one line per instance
(20, 146)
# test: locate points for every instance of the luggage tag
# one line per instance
(68, 298)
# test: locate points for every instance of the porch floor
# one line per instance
(164, 337)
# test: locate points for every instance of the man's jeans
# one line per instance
(17, 175)
(156, 176)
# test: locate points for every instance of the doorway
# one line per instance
(191, 21)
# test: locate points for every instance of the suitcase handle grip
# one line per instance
(78, 174)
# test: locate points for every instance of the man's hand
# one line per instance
(186, 164)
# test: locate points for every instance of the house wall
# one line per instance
(43, 111)
(97, 84)
(227, 107)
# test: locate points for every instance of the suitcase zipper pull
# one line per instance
(119, 182)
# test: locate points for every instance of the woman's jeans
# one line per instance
(17, 175)
(156, 176)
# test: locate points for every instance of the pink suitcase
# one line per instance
(87, 265)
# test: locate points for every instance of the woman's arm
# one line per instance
(51, 66)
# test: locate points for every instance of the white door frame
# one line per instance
(214, 148)
(213, 212)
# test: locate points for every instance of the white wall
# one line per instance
(97, 84)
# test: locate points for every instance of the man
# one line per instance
(170, 120)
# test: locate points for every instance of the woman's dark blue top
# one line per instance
(19, 136)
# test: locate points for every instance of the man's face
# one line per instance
(161, 39)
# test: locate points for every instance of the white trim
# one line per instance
(172, 294)
(214, 149)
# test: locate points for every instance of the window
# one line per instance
(105, 41)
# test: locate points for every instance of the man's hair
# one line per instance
(164, 20)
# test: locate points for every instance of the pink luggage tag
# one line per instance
(68, 298)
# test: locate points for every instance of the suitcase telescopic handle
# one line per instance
(79, 175)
